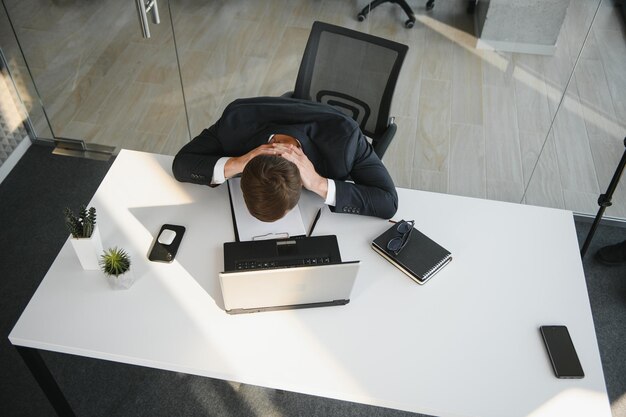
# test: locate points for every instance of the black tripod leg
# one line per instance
(46, 381)
(592, 231)
(604, 201)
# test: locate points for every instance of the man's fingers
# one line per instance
(281, 148)
(264, 150)
(290, 156)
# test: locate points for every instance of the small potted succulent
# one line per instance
(115, 263)
(85, 236)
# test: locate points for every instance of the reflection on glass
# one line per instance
(585, 143)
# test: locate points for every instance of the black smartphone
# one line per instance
(166, 252)
(562, 352)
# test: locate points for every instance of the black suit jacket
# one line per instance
(332, 141)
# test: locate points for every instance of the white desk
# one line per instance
(465, 344)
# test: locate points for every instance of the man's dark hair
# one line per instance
(271, 186)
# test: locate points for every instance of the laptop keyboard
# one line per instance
(268, 264)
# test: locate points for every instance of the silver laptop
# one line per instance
(248, 291)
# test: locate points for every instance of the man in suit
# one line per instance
(280, 145)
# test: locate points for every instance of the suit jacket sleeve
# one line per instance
(195, 161)
(240, 129)
(373, 192)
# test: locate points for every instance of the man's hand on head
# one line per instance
(311, 180)
(235, 165)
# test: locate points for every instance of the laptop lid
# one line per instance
(288, 288)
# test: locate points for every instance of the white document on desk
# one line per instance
(251, 228)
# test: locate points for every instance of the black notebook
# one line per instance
(421, 257)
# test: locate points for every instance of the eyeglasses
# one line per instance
(398, 243)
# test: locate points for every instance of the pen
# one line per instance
(317, 217)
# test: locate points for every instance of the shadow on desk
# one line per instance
(200, 255)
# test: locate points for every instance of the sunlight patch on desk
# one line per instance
(276, 364)
(249, 340)
(160, 188)
(574, 402)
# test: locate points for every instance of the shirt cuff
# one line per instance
(218, 171)
(331, 195)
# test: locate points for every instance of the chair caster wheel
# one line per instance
(361, 17)
(430, 4)
(409, 24)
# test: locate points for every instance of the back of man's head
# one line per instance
(271, 186)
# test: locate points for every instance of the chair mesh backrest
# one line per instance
(353, 71)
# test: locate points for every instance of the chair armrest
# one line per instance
(382, 143)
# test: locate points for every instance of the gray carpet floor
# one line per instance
(32, 199)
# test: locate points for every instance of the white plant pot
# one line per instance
(88, 249)
(121, 282)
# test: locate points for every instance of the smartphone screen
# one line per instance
(561, 351)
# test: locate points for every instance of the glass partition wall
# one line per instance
(586, 141)
(536, 129)
(98, 79)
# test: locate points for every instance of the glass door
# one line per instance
(99, 79)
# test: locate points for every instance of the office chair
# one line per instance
(402, 3)
(354, 72)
